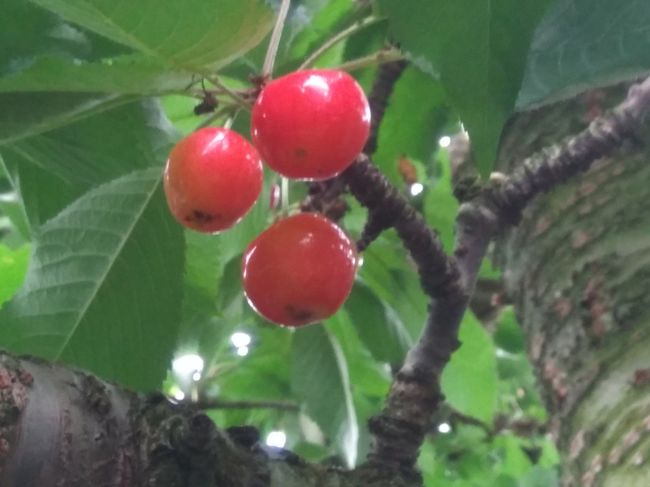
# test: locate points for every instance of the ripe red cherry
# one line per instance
(311, 124)
(213, 177)
(300, 270)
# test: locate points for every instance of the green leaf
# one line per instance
(387, 272)
(103, 289)
(235, 240)
(379, 327)
(180, 111)
(370, 378)
(515, 462)
(370, 39)
(469, 382)
(264, 373)
(28, 114)
(416, 112)
(13, 266)
(320, 378)
(509, 335)
(133, 74)
(192, 34)
(29, 33)
(200, 327)
(311, 23)
(582, 44)
(11, 204)
(58, 166)
(478, 48)
(441, 206)
(28, 36)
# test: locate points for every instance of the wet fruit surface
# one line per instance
(212, 178)
(300, 270)
(311, 124)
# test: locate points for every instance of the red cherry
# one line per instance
(300, 270)
(311, 124)
(213, 177)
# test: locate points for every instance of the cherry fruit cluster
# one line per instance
(308, 125)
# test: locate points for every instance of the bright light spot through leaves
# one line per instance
(444, 428)
(188, 364)
(416, 189)
(444, 141)
(240, 339)
(277, 439)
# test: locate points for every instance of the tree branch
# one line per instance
(387, 76)
(415, 393)
(60, 426)
(373, 190)
(380, 216)
(546, 170)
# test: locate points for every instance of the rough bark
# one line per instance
(578, 269)
(61, 427)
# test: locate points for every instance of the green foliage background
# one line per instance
(95, 273)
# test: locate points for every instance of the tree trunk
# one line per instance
(578, 269)
(65, 428)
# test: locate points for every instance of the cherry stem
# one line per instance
(217, 115)
(225, 404)
(230, 120)
(229, 92)
(284, 195)
(274, 43)
(382, 56)
(344, 34)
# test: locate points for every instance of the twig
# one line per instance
(387, 76)
(373, 190)
(378, 217)
(274, 43)
(326, 197)
(380, 57)
(354, 28)
(231, 93)
(225, 404)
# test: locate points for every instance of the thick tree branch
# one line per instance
(546, 170)
(64, 427)
(415, 393)
(401, 427)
